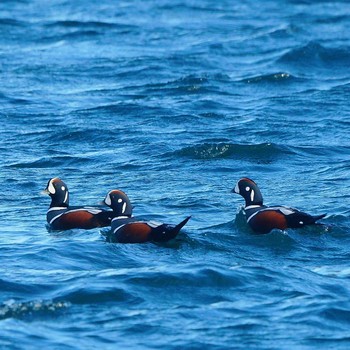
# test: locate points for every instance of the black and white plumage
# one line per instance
(62, 216)
(263, 219)
(127, 229)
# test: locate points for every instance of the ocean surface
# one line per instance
(173, 102)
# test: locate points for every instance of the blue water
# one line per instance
(173, 102)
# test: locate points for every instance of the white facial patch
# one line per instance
(51, 187)
(63, 188)
(252, 196)
(247, 188)
(108, 199)
(124, 207)
(120, 200)
(65, 196)
(236, 188)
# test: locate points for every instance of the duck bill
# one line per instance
(45, 192)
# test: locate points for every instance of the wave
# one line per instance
(264, 152)
(121, 108)
(11, 22)
(76, 29)
(45, 162)
(15, 309)
(330, 150)
(189, 84)
(314, 54)
(280, 77)
(94, 295)
(87, 24)
(332, 271)
(185, 276)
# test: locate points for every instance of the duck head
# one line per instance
(58, 191)
(119, 202)
(249, 190)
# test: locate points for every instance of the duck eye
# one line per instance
(247, 188)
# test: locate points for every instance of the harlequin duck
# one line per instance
(126, 229)
(263, 219)
(61, 216)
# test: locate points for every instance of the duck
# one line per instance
(61, 216)
(125, 228)
(263, 219)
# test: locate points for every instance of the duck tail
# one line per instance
(179, 226)
(166, 232)
(318, 217)
(176, 229)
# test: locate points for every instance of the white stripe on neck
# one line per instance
(253, 206)
(57, 208)
(120, 217)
